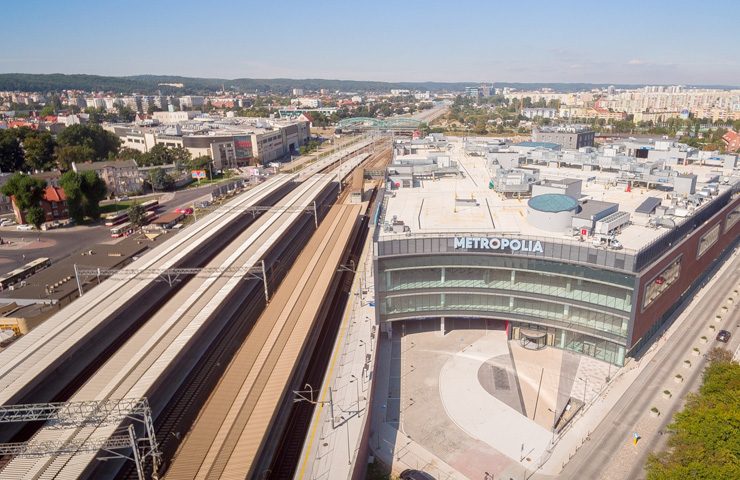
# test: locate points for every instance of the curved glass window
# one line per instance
(560, 315)
(535, 283)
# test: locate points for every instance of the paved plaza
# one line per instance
(470, 401)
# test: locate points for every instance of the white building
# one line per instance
(175, 117)
(191, 101)
(539, 113)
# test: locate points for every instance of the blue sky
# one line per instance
(617, 41)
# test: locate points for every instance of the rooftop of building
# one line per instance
(548, 145)
(465, 203)
(208, 125)
(565, 129)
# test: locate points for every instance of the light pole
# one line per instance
(357, 392)
(585, 386)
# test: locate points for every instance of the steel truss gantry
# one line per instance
(73, 415)
(254, 209)
(172, 275)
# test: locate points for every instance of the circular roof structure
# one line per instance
(553, 202)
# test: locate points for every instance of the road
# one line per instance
(598, 457)
(429, 115)
(58, 244)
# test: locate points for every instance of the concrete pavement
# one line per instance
(606, 450)
(332, 446)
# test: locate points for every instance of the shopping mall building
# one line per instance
(579, 251)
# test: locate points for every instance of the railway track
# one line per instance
(144, 366)
(39, 367)
(229, 432)
(230, 437)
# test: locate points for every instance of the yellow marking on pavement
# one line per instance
(325, 389)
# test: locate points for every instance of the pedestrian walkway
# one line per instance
(646, 425)
(334, 443)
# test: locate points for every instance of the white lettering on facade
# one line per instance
(483, 243)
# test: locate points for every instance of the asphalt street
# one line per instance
(620, 423)
(60, 243)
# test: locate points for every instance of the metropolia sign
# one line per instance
(484, 243)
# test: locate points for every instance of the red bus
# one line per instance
(115, 218)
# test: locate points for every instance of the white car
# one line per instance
(24, 227)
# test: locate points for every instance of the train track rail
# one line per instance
(188, 322)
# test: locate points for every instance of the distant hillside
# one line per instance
(150, 84)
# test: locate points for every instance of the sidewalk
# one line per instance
(332, 445)
(568, 443)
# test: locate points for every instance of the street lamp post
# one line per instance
(585, 387)
(357, 392)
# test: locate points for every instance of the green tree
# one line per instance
(71, 182)
(126, 114)
(160, 154)
(11, 151)
(128, 153)
(136, 215)
(160, 180)
(704, 441)
(35, 216)
(67, 154)
(27, 193)
(47, 110)
(39, 151)
(84, 192)
(26, 190)
(93, 136)
(94, 190)
(96, 115)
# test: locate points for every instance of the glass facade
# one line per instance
(588, 309)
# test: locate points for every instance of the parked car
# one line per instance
(724, 336)
(7, 223)
(185, 211)
(24, 227)
(410, 474)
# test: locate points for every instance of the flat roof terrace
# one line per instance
(466, 204)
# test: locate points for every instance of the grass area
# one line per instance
(115, 207)
(216, 180)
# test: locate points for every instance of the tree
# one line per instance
(94, 190)
(128, 153)
(67, 154)
(39, 151)
(35, 216)
(11, 151)
(136, 215)
(703, 440)
(47, 110)
(84, 192)
(27, 193)
(26, 190)
(72, 185)
(160, 180)
(93, 136)
(160, 154)
(126, 114)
